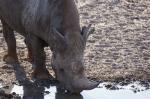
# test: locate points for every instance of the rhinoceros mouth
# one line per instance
(79, 85)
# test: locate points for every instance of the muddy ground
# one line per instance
(118, 50)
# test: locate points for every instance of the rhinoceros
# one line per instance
(54, 23)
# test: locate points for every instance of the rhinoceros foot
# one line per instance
(40, 73)
(10, 59)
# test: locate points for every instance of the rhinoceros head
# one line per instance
(67, 61)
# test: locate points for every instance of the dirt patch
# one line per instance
(119, 48)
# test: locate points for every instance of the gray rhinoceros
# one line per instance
(55, 23)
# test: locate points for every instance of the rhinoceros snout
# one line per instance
(83, 84)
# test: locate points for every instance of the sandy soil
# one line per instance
(119, 48)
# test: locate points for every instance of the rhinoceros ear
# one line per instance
(59, 39)
(86, 31)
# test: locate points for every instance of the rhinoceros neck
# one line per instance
(39, 16)
(70, 17)
(35, 15)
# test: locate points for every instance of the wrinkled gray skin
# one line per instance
(56, 23)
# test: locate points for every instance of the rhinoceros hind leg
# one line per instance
(9, 36)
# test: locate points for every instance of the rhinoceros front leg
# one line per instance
(9, 36)
(29, 47)
(40, 71)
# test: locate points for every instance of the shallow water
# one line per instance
(131, 91)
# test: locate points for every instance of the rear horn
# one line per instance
(86, 31)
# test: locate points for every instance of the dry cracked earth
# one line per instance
(118, 50)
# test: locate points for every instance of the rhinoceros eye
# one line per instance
(77, 67)
(61, 70)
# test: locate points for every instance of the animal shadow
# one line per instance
(68, 96)
(31, 90)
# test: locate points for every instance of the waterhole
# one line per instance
(103, 91)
